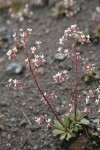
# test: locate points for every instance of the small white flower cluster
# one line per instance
(23, 34)
(61, 76)
(90, 95)
(71, 107)
(14, 84)
(40, 119)
(94, 96)
(21, 14)
(97, 101)
(37, 43)
(43, 119)
(48, 122)
(12, 53)
(86, 110)
(49, 96)
(88, 67)
(71, 8)
(38, 60)
(75, 34)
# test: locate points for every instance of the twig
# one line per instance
(26, 118)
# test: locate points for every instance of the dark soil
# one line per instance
(15, 131)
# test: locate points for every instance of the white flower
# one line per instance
(74, 26)
(58, 77)
(26, 60)
(48, 122)
(28, 29)
(10, 80)
(21, 29)
(87, 100)
(66, 52)
(9, 53)
(23, 34)
(33, 49)
(14, 35)
(14, 50)
(97, 101)
(62, 40)
(40, 119)
(99, 111)
(38, 42)
(59, 49)
(15, 81)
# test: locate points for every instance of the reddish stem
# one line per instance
(76, 83)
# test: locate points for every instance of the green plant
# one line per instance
(89, 76)
(59, 9)
(66, 126)
(71, 126)
(16, 5)
(86, 33)
(97, 31)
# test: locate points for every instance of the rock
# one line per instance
(35, 147)
(47, 31)
(14, 68)
(98, 129)
(60, 56)
(3, 29)
(79, 88)
(41, 71)
(69, 68)
(5, 39)
(40, 3)
(84, 92)
(97, 76)
(23, 123)
(94, 143)
(96, 121)
(1, 127)
(4, 134)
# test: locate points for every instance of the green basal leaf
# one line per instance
(84, 121)
(57, 132)
(68, 136)
(63, 136)
(66, 120)
(75, 128)
(79, 117)
(71, 116)
(72, 125)
(58, 125)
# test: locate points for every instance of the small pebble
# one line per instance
(96, 120)
(35, 147)
(14, 68)
(40, 3)
(60, 57)
(23, 123)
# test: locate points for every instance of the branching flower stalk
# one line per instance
(72, 35)
(37, 84)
